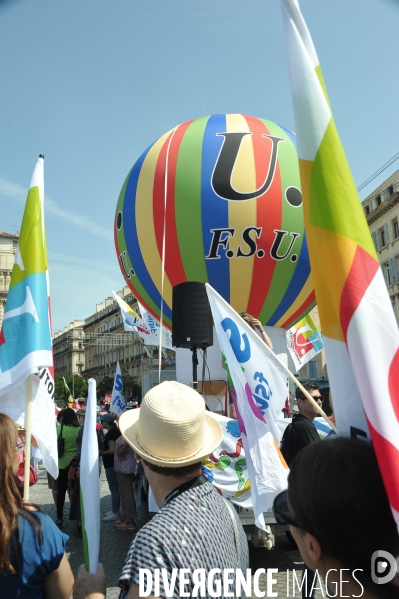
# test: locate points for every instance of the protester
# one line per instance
(171, 434)
(296, 436)
(108, 423)
(33, 563)
(256, 325)
(340, 516)
(125, 465)
(301, 431)
(68, 430)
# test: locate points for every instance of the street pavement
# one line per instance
(114, 545)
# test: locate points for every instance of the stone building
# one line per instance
(381, 208)
(8, 248)
(106, 342)
(68, 349)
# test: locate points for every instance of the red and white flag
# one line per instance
(360, 332)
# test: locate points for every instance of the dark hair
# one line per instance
(69, 417)
(178, 471)
(336, 493)
(11, 504)
(299, 394)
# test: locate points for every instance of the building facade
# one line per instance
(381, 208)
(8, 249)
(106, 342)
(68, 349)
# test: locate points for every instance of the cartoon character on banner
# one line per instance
(233, 218)
(226, 466)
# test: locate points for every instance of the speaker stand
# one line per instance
(195, 374)
(195, 366)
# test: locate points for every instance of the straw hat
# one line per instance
(171, 428)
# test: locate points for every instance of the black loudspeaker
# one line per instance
(192, 324)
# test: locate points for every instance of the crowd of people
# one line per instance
(336, 504)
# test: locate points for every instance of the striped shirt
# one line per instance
(193, 530)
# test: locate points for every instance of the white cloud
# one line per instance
(15, 191)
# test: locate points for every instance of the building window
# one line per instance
(390, 189)
(395, 228)
(378, 200)
(387, 273)
(367, 209)
(312, 369)
(382, 237)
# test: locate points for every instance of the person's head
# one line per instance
(11, 447)
(304, 405)
(69, 418)
(81, 414)
(248, 318)
(171, 432)
(107, 421)
(337, 499)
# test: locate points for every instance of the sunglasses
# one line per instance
(282, 512)
(20, 446)
(315, 397)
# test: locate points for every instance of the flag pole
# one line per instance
(302, 388)
(28, 429)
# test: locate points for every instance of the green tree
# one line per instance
(131, 385)
(60, 392)
(76, 384)
(105, 385)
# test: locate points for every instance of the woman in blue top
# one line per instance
(33, 564)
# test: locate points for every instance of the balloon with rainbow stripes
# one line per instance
(218, 200)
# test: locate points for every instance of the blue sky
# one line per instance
(91, 83)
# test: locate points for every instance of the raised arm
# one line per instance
(266, 339)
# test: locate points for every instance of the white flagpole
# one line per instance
(28, 429)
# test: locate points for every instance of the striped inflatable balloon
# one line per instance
(233, 218)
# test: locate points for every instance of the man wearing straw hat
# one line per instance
(195, 527)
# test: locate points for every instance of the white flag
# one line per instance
(43, 415)
(304, 341)
(131, 320)
(155, 330)
(25, 337)
(90, 483)
(118, 403)
(259, 392)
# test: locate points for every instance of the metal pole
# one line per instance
(73, 385)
